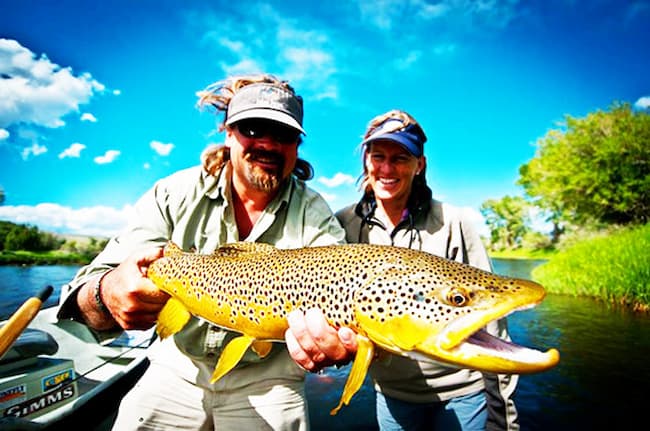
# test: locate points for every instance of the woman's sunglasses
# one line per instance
(257, 129)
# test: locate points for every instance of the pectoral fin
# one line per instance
(362, 360)
(231, 355)
(172, 318)
(262, 348)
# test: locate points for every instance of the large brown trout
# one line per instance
(405, 301)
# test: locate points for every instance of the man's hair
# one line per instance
(218, 95)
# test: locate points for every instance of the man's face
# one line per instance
(262, 152)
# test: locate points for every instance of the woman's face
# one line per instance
(391, 169)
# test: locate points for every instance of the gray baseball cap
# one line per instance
(266, 101)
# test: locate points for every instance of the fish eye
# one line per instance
(457, 297)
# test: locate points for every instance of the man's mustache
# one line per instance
(266, 157)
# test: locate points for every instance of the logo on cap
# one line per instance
(266, 101)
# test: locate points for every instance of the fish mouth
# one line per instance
(466, 343)
(485, 352)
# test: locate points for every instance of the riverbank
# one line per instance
(613, 267)
(521, 253)
(61, 257)
(55, 257)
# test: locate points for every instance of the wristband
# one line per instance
(99, 303)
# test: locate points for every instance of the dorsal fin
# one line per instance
(244, 247)
(171, 249)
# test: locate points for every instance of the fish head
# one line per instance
(439, 309)
(164, 271)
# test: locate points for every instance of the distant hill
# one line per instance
(82, 240)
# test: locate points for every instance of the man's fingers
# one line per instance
(314, 344)
(349, 339)
(297, 353)
(148, 293)
(141, 321)
(147, 258)
(300, 332)
(324, 336)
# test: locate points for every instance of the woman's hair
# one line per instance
(218, 95)
(394, 114)
(420, 181)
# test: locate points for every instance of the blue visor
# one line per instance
(410, 137)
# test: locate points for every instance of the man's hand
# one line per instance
(314, 344)
(131, 298)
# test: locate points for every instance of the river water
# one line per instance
(600, 383)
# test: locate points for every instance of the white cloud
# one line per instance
(429, 11)
(243, 67)
(307, 60)
(385, 14)
(391, 14)
(74, 150)
(36, 91)
(34, 150)
(87, 116)
(271, 42)
(50, 217)
(146, 165)
(108, 157)
(117, 92)
(161, 148)
(232, 45)
(337, 180)
(444, 49)
(408, 60)
(643, 102)
(635, 11)
(4, 134)
(308, 64)
(379, 13)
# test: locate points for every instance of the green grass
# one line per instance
(614, 268)
(522, 253)
(57, 257)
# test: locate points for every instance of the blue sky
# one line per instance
(97, 99)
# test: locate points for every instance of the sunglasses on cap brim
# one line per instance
(255, 128)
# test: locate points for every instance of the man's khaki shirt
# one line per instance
(194, 210)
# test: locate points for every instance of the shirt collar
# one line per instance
(216, 187)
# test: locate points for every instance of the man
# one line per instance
(249, 189)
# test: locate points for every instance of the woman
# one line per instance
(397, 209)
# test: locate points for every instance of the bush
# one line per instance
(15, 237)
(613, 267)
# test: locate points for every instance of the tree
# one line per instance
(596, 169)
(508, 219)
(24, 237)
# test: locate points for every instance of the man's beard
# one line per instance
(262, 179)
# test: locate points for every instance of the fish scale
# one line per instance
(405, 301)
